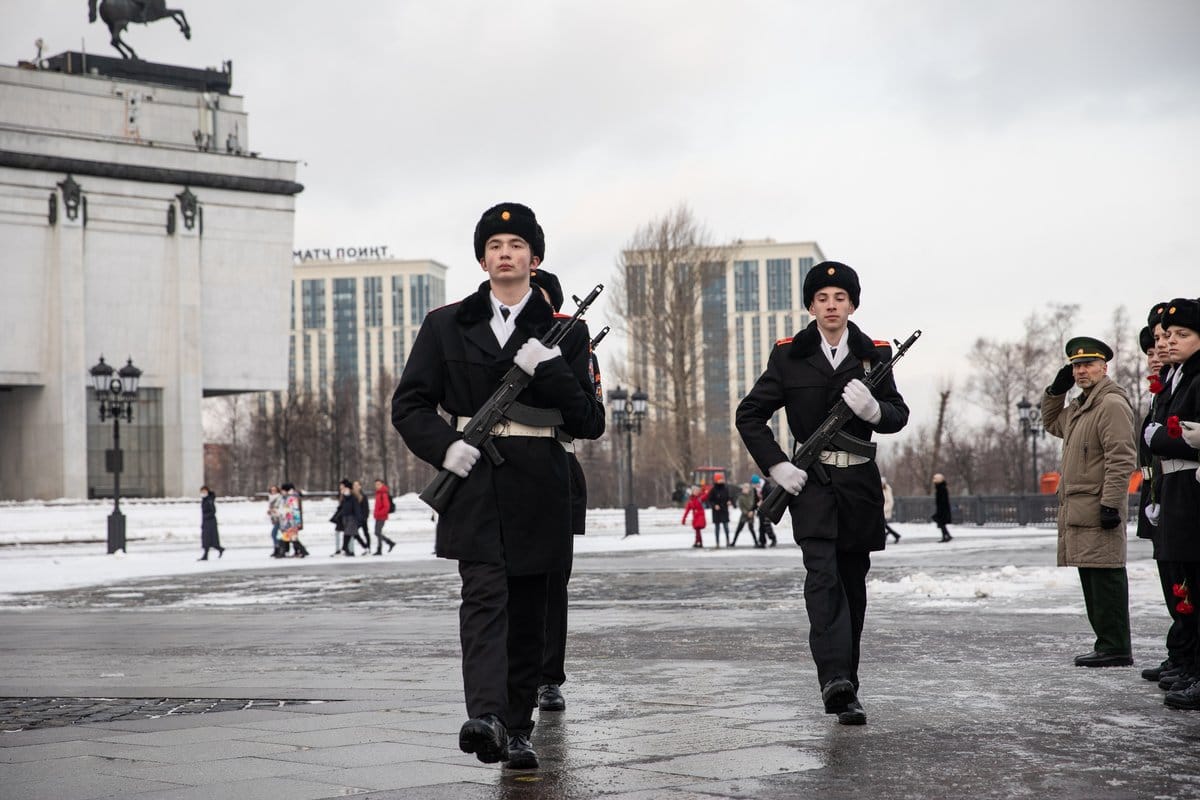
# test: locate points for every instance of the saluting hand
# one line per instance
(861, 401)
(532, 353)
(460, 458)
(790, 477)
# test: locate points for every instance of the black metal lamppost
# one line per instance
(628, 411)
(116, 396)
(1031, 428)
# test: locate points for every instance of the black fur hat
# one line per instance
(510, 218)
(1155, 315)
(1146, 339)
(1182, 312)
(548, 281)
(831, 273)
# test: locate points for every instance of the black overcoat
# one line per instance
(1178, 492)
(718, 501)
(209, 537)
(518, 513)
(799, 379)
(1149, 491)
(941, 504)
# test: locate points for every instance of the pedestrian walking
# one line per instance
(1099, 455)
(889, 506)
(695, 507)
(838, 520)
(747, 503)
(384, 508)
(509, 522)
(275, 504)
(293, 521)
(719, 502)
(345, 519)
(766, 528)
(941, 506)
(210, 538)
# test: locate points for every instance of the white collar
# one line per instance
(842, 349)
(515, 308)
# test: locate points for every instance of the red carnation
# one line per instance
(1174, 429)
(1184, 607)
(1179, 590)
(1156, 385)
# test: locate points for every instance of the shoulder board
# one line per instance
(881, 343)
(561, 316)
(788, 340)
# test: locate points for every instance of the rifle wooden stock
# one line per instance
(478, 431)
(805, 457)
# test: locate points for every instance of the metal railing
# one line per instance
(1010, 510)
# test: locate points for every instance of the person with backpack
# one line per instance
(385, 506)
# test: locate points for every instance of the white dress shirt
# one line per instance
(837, 352)
(501, 327)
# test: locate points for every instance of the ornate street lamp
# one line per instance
(1031, 428)
(115, 395)
(628, 412)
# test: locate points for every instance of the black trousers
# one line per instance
(1106, 597)
(554, 655)
(502, 623)
(744, 521)
(1181, 636)
(835, 594)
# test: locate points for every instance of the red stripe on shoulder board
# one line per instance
(561, 316)
(881, 342)
(784, 341)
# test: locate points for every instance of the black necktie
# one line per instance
(504, 312)
(833, 352)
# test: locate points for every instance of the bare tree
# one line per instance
(656, 303)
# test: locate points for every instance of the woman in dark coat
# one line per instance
(209, 537)
(719, 501)
(941, 502)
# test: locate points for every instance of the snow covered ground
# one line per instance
(59, 545)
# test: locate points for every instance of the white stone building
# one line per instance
(134, 222)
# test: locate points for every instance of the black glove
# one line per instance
(1063, 381)
(1109, 518)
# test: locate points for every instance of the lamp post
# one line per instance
(628, 411)
(116, 396)
(1031, 428)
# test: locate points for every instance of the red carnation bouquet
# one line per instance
(1156, 386)
(1184, 606)
(1174, 429)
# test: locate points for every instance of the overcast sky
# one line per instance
(971, 160)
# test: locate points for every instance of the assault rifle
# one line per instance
(478, 431)
(830, 433)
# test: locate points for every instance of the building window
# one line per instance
(740, 343)
(745, 285)
(635, 280)
(398, 353)
(292, 363)
(788, 330)
(367, 360)
(771, 337)
(397, 300)
(756, 345)
(803, 266)
(292, 296)
(714, 305)
(373, 301)
(322, 364)
(307, 367)
(420, 289)
(345, 330)
(438, 293)
(779, 284)
(314, 302)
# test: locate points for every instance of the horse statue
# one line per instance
(117, 14)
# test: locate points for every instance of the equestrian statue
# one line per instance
(117, 14)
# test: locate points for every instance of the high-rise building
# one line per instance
(354, 320)
(746, 304)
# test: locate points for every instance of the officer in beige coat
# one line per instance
(1099, 455)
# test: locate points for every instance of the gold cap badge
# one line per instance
(505, 215)
(1171, 310)
(830, 271)
(1079, 352)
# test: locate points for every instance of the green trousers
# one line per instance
(1106, 596)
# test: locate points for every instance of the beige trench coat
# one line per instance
(1099, 455)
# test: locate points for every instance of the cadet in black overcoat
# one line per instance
(210, 537)
(838, 524)
(508, 526)
(1178, 489)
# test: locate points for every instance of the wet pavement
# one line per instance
(689, 678)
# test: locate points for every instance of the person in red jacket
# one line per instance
(383, 508)
(695, 506)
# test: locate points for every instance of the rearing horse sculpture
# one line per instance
(117, 14)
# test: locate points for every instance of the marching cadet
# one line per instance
(840, 523)
(509, 524)
(554, 674)
(1180, 636)
(1099, 455)
(1179, 492)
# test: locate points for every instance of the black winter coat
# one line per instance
(1146, 459)
(941, 504)
(518, 513)
(718, 501)
(799, 379)
(1178, 492)
(209, 537)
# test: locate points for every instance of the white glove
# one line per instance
(533, 353)
(1151, 429)
(790, 477)
(861, 401)
(1152, 512)
(460, 457)
(1191, 435)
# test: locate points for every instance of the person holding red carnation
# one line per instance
(1178, 489)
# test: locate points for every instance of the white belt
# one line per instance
(1170, 465)
(509, 428)
(840, 458)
